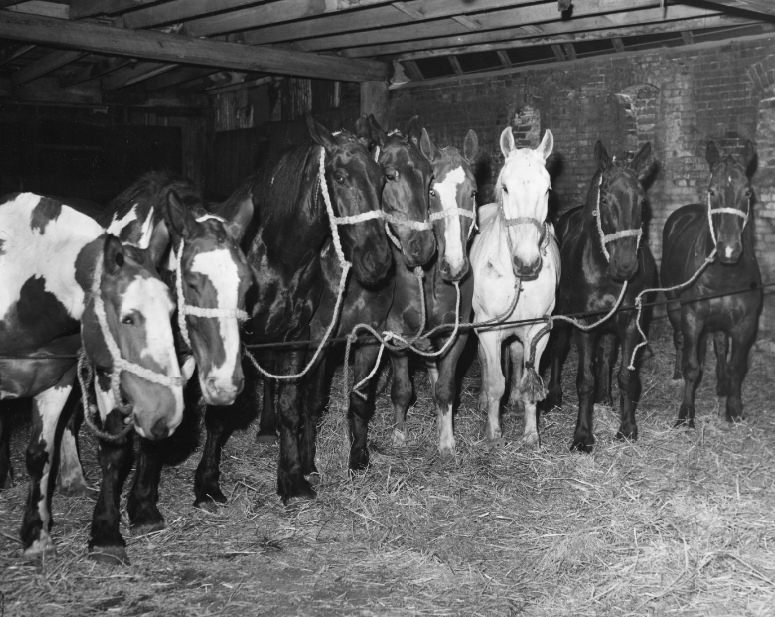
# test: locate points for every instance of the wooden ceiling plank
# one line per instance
(175, 78)
(7, 3)
(278, 12)
(45, 9)
(97, 70)
(493, 20)
(371, 18)
(764, 7)
(45, 65)
(137, 73)
(79, 9)
(174, 48)
(510, 39)
(10, 54)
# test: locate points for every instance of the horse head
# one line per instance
(355, 182)
(522, 192)
(617, 196)
(453, 202)
(729, 199)
(127, 335)
(408, 174)
(212, 278)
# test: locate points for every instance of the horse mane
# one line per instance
(151, 190)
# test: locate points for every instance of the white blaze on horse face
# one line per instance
(150, 297)
(219, 267)
(454, 251)
(50, 253)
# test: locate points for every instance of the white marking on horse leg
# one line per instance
(71, 478)
(493, 382)
(433, 375)
(446, 435)
(530, 436)
(517, 358)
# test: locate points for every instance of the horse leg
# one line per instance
(220, 423)
(721, 347)
(532, 386)
(493, 381)
(583, 436)
(516, 354)
(46, 412)
(629, 381)
(743, 335)
(401, 393)
(604, 368)
(106, 543)
(444, 393)
(267, 425)
(361, 407)
(691, 368)
(6, 470)
(317, 385)
(559, 344)
(290, 474)
(70, 478)
(674, 315)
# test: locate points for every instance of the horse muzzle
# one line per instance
(452, 273)
(527, 271)
(219, 391)
(729, 252)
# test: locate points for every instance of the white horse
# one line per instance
(516, 266)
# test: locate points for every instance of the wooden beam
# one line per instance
(96, 70)
(11, 53)
(134, 74)
(627, 23)
(89, 8)
(404, 13)
(763, 7)
(491, 20)
(44, 9)
(179, 49)
(45, 65)
(233, 16)
(176, 78)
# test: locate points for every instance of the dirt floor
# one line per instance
(681, 522)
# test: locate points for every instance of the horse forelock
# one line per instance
(525, 164)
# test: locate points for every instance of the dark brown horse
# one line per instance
(289, 197)
(604, 260)
(715, 239)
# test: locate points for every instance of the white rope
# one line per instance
(606, 238)
(197, 311)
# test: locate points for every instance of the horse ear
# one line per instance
(507, 141)
(378, 134)
(749, 158)
(470, 145)
(414, 130)
(426, 145)
(242, 214)
(320, 134)
(159, 242)
(178, 218)
(712, 154)
(363, 131)
(601, 155)
(643, 162)
(545, 147)
(113, 255)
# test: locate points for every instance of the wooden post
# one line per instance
(374, 100)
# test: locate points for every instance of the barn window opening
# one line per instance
(650, 41)
(434, 67)
(720, 34)
(592, 47)
(479, 61)
(530, 55)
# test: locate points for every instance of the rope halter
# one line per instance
(617, 235)
(119, 363)
(725, 210)
(197, 311)
(450, 212)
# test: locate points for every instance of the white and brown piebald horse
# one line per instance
(516, 265)
(59, 268)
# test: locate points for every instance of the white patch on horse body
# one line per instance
(446, 434)
(728, 252)
(219, 267)
(150, 297)
(117, 224)
(50, 255)
(454, 251)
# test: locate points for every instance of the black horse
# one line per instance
(718, 239)
(603, 260)
(293, 226)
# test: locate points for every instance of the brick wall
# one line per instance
(676, 98)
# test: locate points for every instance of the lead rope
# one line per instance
(85, 376)
(708, 260)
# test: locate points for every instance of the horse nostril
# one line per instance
(159, 429)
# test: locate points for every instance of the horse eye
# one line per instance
(712, 192)
(391, 173)
(128, 320)
(505, 189)
(748, 193)
(339, 177)
(432, 193)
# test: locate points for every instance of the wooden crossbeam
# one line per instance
(45, 65)
(175, 48)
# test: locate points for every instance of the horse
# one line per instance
(516, 267)
(605, 266)
(447, 289)
(405, 203)
(708, 250)
(60, 269)
(328, 189)
(210, 276)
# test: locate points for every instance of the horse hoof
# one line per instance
(314, 478)
(209, 500)
(684, 423)
(627, 435)
(110, 555)
(359, 460)
(580, 445)
(496, 444)
(294, 488)
(531, 440)
(141, 529)
(267, 438)
(76, 489)
(44, 545)
(447, 452)
(399, 438)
